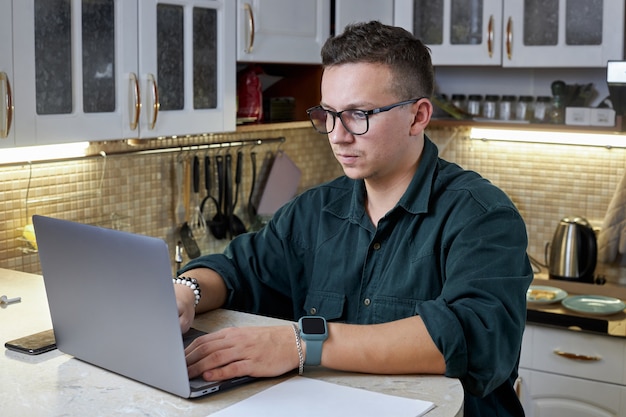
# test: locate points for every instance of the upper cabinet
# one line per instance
(529, 33)
(458, 32)
(7, 133)
(110, 69)
(292, 32)
(352, 11)
(186, 69)
(562, 33)
(282, 31)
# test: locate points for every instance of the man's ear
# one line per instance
(423, 112)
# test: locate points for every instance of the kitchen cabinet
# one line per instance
(186, 68)
(352, 11)
(530, 33)
(458, 32)
(111, 69)
(7, 133)
(567, 373)
(282, 31)
(562, 33)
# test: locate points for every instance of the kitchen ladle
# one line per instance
(208, 184)
(237, 226)
(219, 224)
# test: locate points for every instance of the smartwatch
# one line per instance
(314, 332)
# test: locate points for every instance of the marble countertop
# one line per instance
(56, 384)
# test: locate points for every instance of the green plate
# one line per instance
(596, 305)
(541, 294)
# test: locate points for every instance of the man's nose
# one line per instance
(339, 133)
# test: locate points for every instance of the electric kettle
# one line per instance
(573, 251)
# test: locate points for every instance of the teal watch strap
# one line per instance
(314, 332)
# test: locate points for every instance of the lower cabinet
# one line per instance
(573, 374)
(550, 395)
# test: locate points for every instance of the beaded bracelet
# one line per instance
(296, 331)
(192, 283)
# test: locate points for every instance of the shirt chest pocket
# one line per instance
(329, 305)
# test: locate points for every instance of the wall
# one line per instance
(135, 193)
(547, 182)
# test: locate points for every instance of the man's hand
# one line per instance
(245, 351)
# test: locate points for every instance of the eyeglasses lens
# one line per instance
(353, 121)
(322, 121)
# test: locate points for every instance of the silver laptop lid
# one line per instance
(112, 301)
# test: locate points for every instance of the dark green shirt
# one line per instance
(453, 250)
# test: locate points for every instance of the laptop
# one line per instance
(112, 304)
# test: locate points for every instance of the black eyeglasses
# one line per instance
(354, 121)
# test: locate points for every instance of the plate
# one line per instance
(540, 294)
(596, 305)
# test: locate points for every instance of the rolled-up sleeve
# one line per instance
(478, 320)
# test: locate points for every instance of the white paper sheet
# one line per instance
(306, 397)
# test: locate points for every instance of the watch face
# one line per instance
(313, 325)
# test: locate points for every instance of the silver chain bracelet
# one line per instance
(296, 331)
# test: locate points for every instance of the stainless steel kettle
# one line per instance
(573, 251)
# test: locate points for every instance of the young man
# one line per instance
(417, 265)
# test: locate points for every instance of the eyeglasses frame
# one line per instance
(367, 113)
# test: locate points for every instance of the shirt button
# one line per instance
(312, 311)
(376, 246)
(367, 301)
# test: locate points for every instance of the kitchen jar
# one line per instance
(473, 104)
(523, 108)
(459, 101)
(542, 106)
(489, 106)
(506, 107)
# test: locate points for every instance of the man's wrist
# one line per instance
(193, 286)
(314, 332)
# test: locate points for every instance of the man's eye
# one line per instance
(357, 115)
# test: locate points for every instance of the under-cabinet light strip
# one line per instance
(43, 152)
(607, 140)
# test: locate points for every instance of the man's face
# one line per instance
(385, 151)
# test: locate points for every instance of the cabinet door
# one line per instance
(562, 33)
(458, 32)
(67, 85)
(351, 11)
(7, 130)
(282, 31)
(549, 395)
(186, 67)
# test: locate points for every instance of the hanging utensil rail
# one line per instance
(148, 151)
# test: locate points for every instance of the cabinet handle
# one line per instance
(576, 356)
(155, 101)
(134, 86)
(8, 101)
(490, 37)
(250, 45)
(509, 38)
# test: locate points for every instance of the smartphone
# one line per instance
(33, 344)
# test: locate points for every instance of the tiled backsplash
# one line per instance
(136, 193)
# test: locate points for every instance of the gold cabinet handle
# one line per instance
(136, 101)
(490, 37)
(576, 356)
(155, 101)
(8, 104)
(509, 38)
(250, 45)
